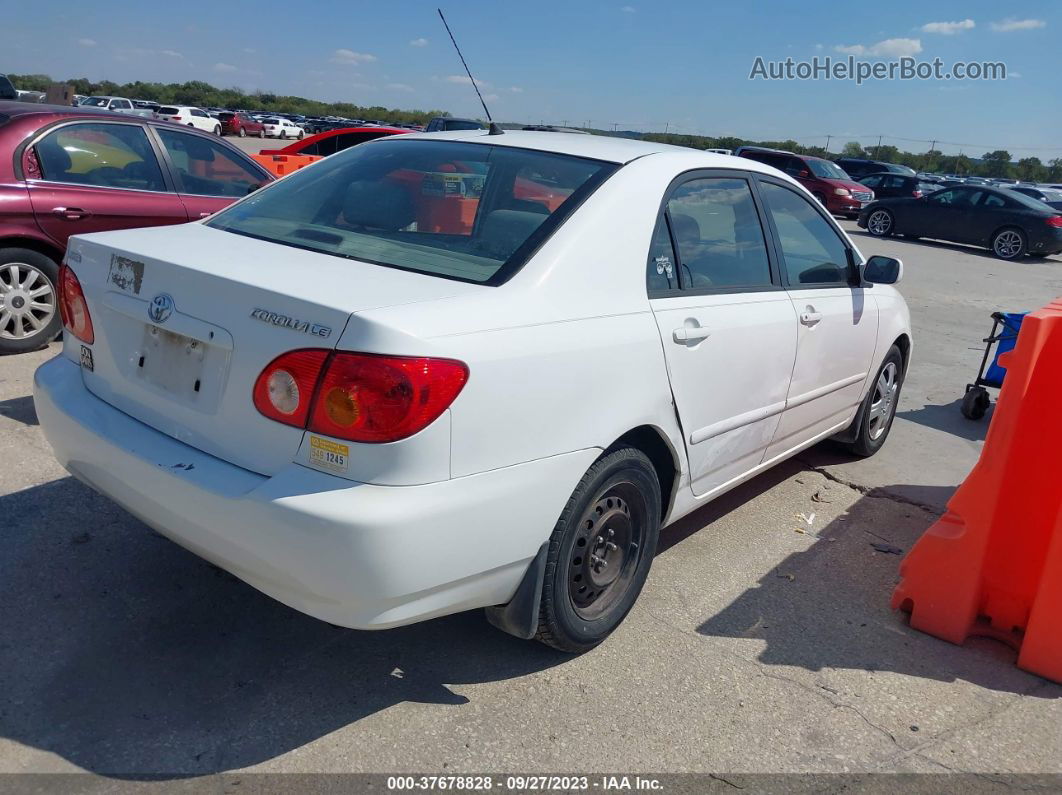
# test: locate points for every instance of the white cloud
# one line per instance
(949, 28)
(421, 42)
(171, 53)
(250, 50)
(889, 48)
(1012, 75)
(818, 46)
(628, 9)
(464, 81)
(399, 87)
(516, 89)
(1010, 25)
(87, 42)
(344, 56)
(224, 67)
(490, 97)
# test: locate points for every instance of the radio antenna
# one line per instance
(494, 128)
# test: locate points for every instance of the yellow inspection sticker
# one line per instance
(329, 455)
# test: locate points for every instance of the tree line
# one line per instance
(997, 164)
(199, 94)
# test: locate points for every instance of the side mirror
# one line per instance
(883, 270)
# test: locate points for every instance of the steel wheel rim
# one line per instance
(879, 223)
(27, 301)
(607, 550)
(1007, 244)
(883, 404)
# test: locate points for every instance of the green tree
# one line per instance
(996, 163)
(1030, 169)
(853, 149)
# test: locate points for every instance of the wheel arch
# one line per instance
(660, 451)
(46, 248)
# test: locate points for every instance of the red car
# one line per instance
(331, 141)
(67, 171)
(826, 181)
(233, 123)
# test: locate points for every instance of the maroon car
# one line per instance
(236, 123)
(67, 171)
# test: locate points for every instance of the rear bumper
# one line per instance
(353, 554)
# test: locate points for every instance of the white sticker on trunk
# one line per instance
(326, 454)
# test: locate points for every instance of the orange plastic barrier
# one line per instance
(281, 165)
(992, 565)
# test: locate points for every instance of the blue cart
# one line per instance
(1004, 335)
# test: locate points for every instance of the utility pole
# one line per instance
(877, 151)
(666, 125)
(827, 150)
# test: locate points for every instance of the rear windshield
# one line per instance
(7, 90)
(472, 212)
(167, 111)
(455, 124)
(225, 116)
(96, 102)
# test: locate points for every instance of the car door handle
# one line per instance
(687, 334)
(810, 318)
(70, 213)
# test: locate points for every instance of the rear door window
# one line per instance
(812, 251)
(101, 154)
(207, 168)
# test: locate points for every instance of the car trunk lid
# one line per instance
(186, 318)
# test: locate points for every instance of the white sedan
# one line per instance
(441, 372)
(282, 128)
(191, 117)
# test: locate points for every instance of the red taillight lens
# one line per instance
(73, 308)
(284, 390)
(1055, 221)
(917, 194)
(174, 118)
(361, 397)
(370, 398)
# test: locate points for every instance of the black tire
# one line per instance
(820, 198)
(874, 427)
(243, 132)
(583, 600)
(217, 130)
(1016, 243)
(261, 133)
(975, 403)
(283, 136)
(881, 222)
(48, 270)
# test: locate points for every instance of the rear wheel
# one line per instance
(600, 551)
(29, 315)
(879, 408)
(261, 133)
(1009, 243)
(217, 130)
(880, 223)
(283, 135)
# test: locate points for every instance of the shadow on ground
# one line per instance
(19, 409)
(131, 657)
(827, 607)
(949, 418)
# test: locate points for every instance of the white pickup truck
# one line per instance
(118, 105)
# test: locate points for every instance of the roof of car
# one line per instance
(16, 109)
(597, 147)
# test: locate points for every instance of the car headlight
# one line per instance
(842, 191)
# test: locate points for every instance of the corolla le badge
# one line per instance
(293, 323)
(160, 308)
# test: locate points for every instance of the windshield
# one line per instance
(96, 102)
(826, 169)
(472, 212)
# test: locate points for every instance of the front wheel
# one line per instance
(600, 551)
(217, 131)
(243, 133)
(880, 223)
(879, 408)
(1009, 244)
(29, 316)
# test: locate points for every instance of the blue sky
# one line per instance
(639, 65)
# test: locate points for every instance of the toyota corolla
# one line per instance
(469, 370)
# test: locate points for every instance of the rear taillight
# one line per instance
(285, 388)
(917, 194)
(360, 397)
(73, 308)
(173, 118)
(1055, 221)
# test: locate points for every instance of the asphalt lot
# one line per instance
(754, 648)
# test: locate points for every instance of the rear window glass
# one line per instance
(225, 116)
(7, 90)
(96, 102)
(168, 111)
(472, 212)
